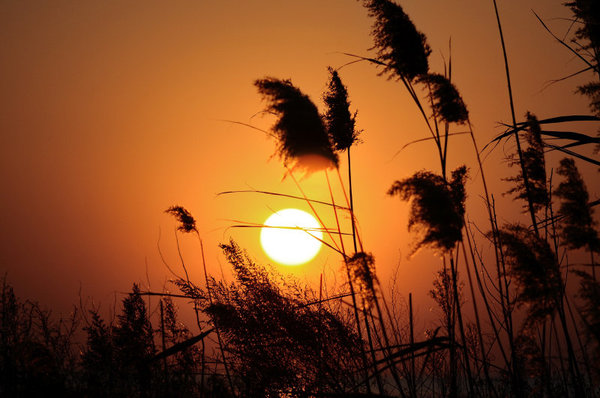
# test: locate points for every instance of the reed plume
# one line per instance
(592, 91)
(443, 294)
(588, 13)
(185, 218)
(534, 268)
(303, 139)
(340, 123)
(578, 225)
(400, 46)
(535, 168)
(362, 273)
(437, 207)
(448, 105)
(589, 293)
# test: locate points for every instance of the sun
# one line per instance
(296, 241)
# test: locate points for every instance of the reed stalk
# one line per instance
(216, 327)
(354, 303)
(514, 123)
(376, 302)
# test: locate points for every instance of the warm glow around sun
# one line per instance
(290, 237)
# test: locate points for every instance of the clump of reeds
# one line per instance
(277, 339)
(437, 207)
(303, 142)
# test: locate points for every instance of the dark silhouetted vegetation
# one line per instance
(437, 209)
(300, 130)
(338, 119)
(518, 315)
(535, 165)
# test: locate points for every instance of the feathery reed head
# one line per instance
(190, 289)
(443, 292)
(592, 91)
(437, 207)
(339, 121)
(303, 139)
(535, 165)
(399, 44)
(587, 12)
(187, 222)
(589, 293)
(529, 360)
(362, 273)
(534, 267)
(534, 132)
(448, 105)
(577, 227)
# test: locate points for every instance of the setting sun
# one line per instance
(291, 237)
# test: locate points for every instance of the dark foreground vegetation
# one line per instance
(518, 318)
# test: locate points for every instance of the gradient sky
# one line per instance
(111, 111)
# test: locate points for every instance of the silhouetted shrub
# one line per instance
(37, 356)
(276, 340)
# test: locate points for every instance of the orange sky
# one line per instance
(110, 113)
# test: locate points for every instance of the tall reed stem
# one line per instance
(386, 347)
(218, 332)
(354, 303)
(514, 122)
(351, 201)
(484, 359)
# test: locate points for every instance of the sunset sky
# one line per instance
(112, 111)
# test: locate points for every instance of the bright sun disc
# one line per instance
(292, 244)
